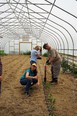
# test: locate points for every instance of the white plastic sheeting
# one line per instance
(52, 21)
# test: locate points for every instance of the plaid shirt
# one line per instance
(0, 68)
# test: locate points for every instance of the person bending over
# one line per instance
(55, 59)
(35, 55)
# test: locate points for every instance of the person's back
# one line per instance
(34, 55)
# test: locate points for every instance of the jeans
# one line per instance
(31, 62)
(28, 83)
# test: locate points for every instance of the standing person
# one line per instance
(34, 55)
(29, 78)
(0, 74)
(55, 59)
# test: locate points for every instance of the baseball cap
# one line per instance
(34, 64)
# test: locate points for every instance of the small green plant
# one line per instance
(48, 85)
(49, 99)
(65, 65)
(72, 68)
(75, 70)
(51, 114)
(51, 107)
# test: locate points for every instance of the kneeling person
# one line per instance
(29, 78)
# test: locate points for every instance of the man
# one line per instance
(29, 78)
(55, 59)
(35, 55)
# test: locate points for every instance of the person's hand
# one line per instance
(47, 61)
(35, 77)
(39, 57)
(38, 83)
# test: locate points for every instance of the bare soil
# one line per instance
(13, 101)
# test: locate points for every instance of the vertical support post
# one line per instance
(45, 73)
(0, 87)
(0, 76)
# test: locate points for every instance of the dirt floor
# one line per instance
(13, 101)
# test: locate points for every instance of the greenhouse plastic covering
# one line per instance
(49, 21)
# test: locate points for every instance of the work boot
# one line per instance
(54, 82)
(27, 94)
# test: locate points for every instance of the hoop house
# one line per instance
(42, 21)
(41, 89)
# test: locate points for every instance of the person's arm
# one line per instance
(29, 77)
(38, 55)
(52, 56)
(51, 59)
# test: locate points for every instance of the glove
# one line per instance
(47, 62)
(39, 58)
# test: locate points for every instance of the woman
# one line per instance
(35, 55)
(29, 78)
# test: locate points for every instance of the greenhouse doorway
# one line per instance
(25, 47)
